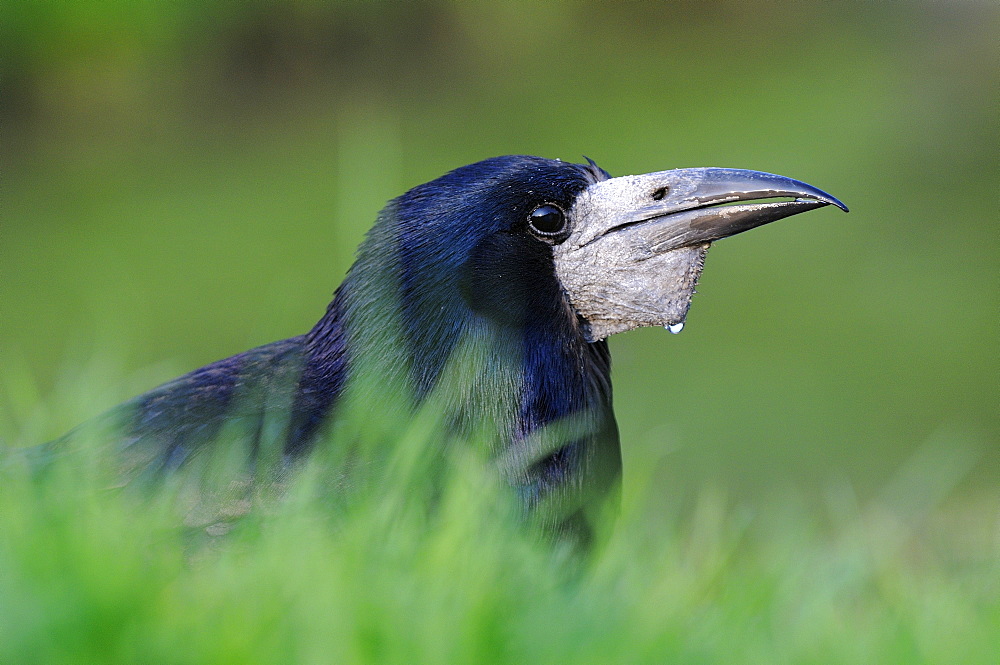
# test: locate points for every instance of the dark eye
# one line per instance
(547, 220)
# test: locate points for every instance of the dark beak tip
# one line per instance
(836, 202)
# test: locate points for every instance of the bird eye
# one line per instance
(547, 220)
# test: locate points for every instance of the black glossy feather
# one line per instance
(450, 296)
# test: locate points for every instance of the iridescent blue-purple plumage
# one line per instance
(449, 264)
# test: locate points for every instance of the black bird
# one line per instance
(490, 290)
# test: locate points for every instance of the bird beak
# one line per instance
(638, 243)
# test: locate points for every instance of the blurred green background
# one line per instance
(184, 180)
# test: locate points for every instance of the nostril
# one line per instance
(660, 193)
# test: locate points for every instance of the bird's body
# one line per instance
(486, 294)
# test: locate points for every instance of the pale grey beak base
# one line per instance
(638, 243)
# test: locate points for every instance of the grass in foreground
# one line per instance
(91, 574)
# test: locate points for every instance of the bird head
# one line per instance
(522, 239)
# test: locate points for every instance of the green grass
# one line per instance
(400, 571)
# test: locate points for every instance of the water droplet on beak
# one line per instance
(675, 327)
